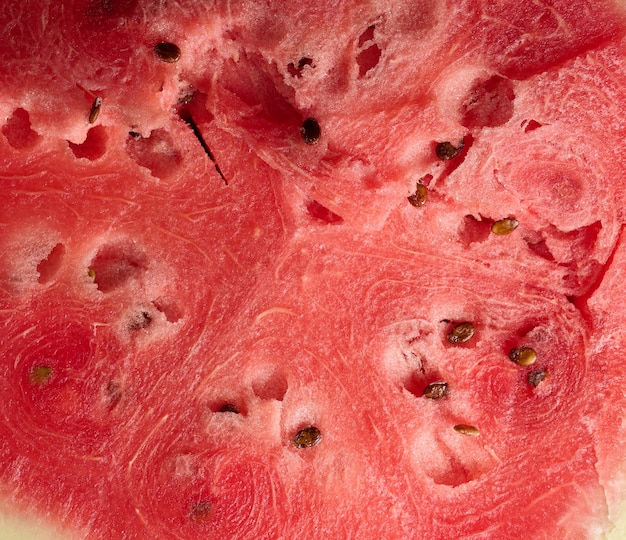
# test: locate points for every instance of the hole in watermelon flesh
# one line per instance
(169, 308)
(367, 35)
(228, 405)
(297, 71)
(94, 146)
(320, 212)
(368, 59)
(273, 386)
(49, 266)
(489, 103)
(114, 265)
(473, 230)
(156, 152)
(18, 131)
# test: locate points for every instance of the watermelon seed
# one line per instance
(201, 512)
(95, 109)
(229, 407)
(307, 437)
(310, 131)
(418, 198)
(535, 378)
(467, 430)
(504, 226)
(461, 333)
(135, 135)
(446, 150)
(40, 375)
(185, 115)
(167, 52)
(523, 356)
(436, 390)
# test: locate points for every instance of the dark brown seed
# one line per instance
(535, 378)
(40, 375)
(310, 131)
(167, 52)
(461, 333)
(229, 407)
(95, 109)
(523, 356)
(307, 437)
(419, 197)
(467, 430)
(436, 390)
(446, 150)
(504, 226)
(201, 512)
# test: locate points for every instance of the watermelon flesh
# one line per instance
(212, 329)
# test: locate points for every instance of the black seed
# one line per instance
(461, 333)
(95, 109)
(310, 131)
(504, 226)
(523, 356)
(467, 430)
(307, 437)
(419, 197)
(201, 512)
(135, 135)
(167, 52)
(535, 378)
(140, 321)
(446, 150)
(229, 407)
(40, 375)
(436, 390)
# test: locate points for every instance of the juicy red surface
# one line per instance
(301, 287)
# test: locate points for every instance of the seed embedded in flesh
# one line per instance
(310, 131)
(40, 375)
(504, 226)
(436, 390)
(446, 150)
(201, 512)
(535, 378)
(307, 437)
(523, 356)
(167, 52)
(95, 109)
(465, 429)
(419, 197)
(461, 333)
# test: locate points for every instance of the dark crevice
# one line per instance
(580, 301)
(185, 115)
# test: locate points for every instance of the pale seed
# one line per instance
(419, 197)
(504, 226)
(95, 109)
(436, 390)
(523, 356)
(461, 333)
(467, 430)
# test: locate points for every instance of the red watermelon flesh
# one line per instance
(242, 344)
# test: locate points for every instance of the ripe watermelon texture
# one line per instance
(344, 270)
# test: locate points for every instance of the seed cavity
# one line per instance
(504, 226)
(229, 408)
(466, 429)
(297, 71)
(461, 333)
(536, 377)
(420, 196)
(310, 131)
(139, 321)
(436, 390)
(523, 356)
(445, 151)
(40, 375)
(201, 512)
(307, 437)
(167, 52)
(95, 109)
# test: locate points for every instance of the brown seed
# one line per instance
(40, 375)
(436, 390)
(419, 197)
(307, 437)
(467, 430)
(523, 356)
(167, 52)
(504, 226)
(446, 150)
(535, 378)
(310, 131)
(201, 512)
(95, 109)
(461, 333)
